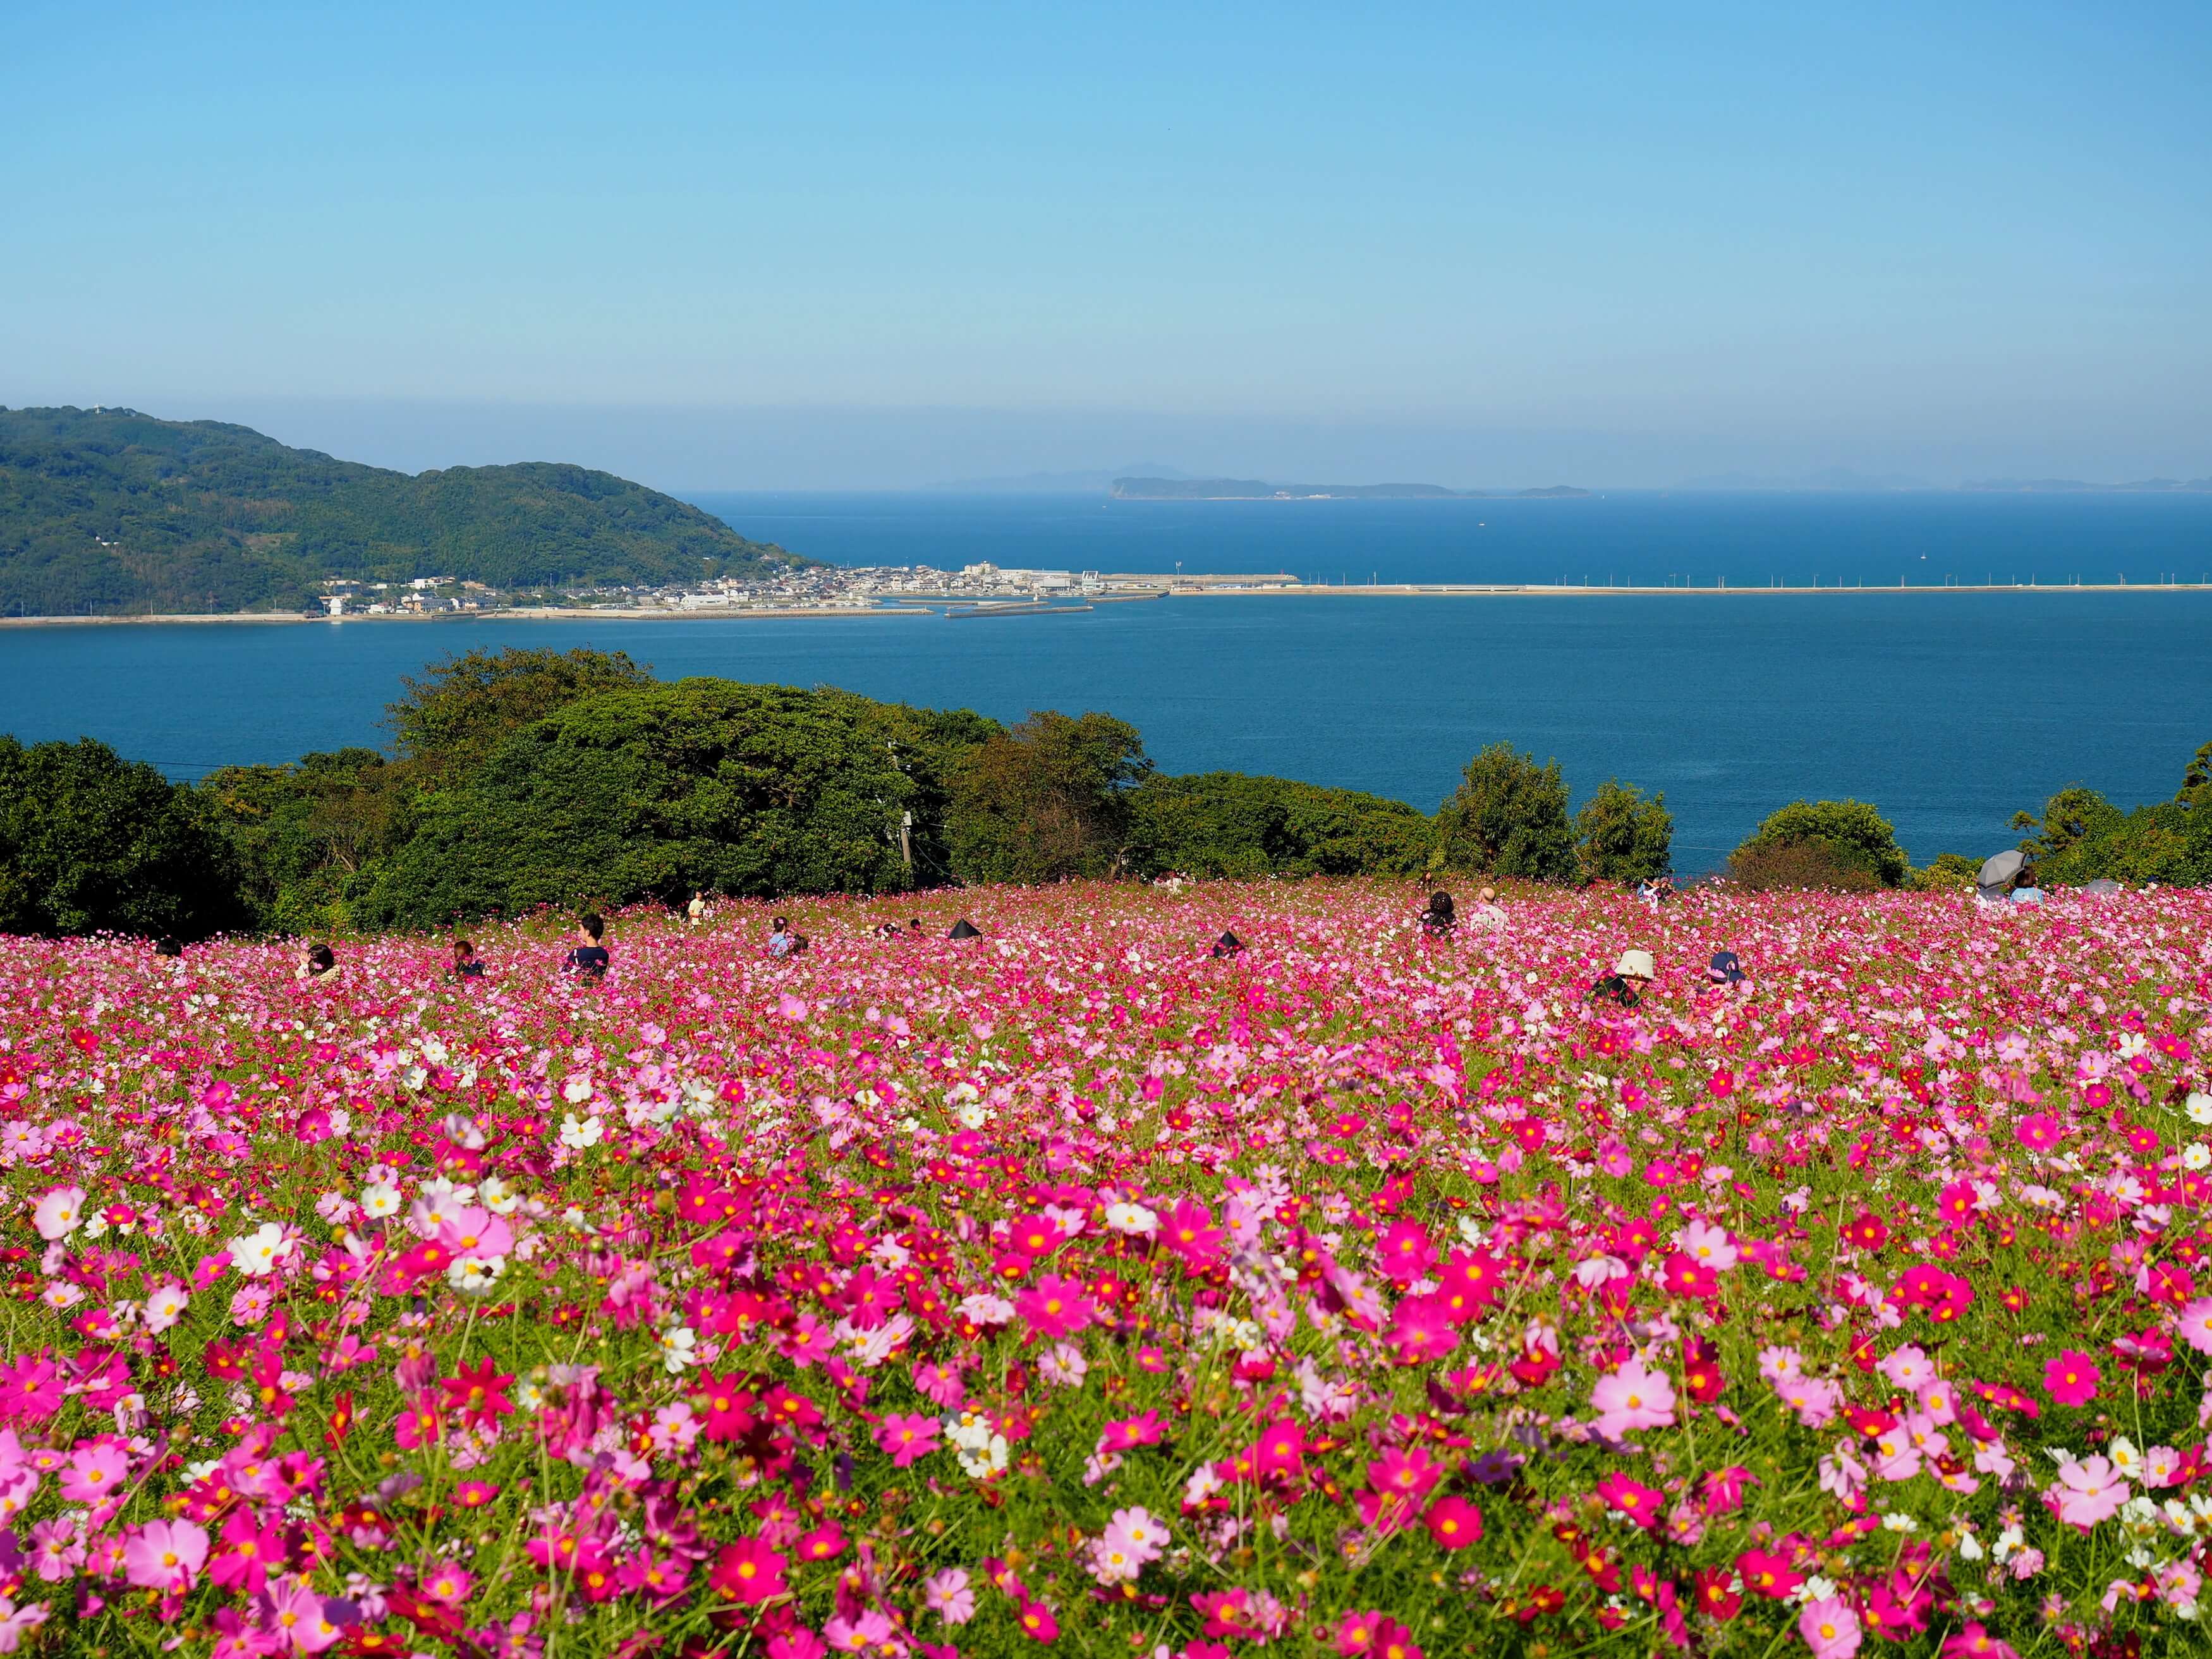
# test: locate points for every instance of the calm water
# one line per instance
(1949, 712)
(1635, 538)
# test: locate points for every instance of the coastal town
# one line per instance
(808, 589)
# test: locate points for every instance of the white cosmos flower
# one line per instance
(256, 1253)
(577, 1090)
(498, 1197)
(1131, 1219)
(678, 1348)
(580, 1132)
(379, 1200)
(474, 1275)
(2199, 1108)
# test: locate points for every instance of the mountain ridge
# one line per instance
(111, 511)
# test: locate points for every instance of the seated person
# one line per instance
(316, 962)
(1626, 985)
(467, 965)
(782, 941)
(1437, 920)
(589, 959)
(1725, 968)
(1487, 915)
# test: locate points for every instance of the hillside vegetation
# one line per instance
(113, 511)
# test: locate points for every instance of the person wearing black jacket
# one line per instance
(589, 959)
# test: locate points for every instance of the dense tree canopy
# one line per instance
(1048, 799)
(90, 842)
(1508, 818)
(1227, 824)
(1823, 843)
(1622, 835)
(654, 790)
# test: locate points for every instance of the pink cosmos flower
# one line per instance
(1641, 1503)
(907, 1437)
(1830, 1628)
(1633, 1397)
(2071, 1379)
(948, 1593)
(59, 1213)
(2088, 1490)
(166, 1555)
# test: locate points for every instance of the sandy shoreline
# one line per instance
(1011, 607)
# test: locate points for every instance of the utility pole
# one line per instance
(906, 841)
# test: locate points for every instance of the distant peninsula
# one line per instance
(107, 512)
(1253, 489)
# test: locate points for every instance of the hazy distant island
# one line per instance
(2078, 487)
(110, 511)
(1253, 489)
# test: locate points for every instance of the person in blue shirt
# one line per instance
(589, 960)
(467, 965)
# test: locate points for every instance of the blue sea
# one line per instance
(1949, 711)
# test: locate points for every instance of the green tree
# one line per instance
(90, 842)
(308, 835)
(651, 791)
(1047, 799)
(464, 707)
(2075, 813)
(1839, 837)
(1621, 834)
(1508, 818)
(1228, 824)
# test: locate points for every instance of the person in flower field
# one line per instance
(588, 958)
(1624, 986)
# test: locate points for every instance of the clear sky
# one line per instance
(824, 245)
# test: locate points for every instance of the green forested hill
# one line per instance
(113, 511)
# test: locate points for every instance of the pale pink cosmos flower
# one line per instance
(1908, 1367)
(1830, 1628)
(948, 1595)
(1633, 1397)
(2088, 1490)
(166, 1555)
(59, 1213)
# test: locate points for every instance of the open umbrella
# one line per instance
(964, 929)
(2001, 869)
(2102, 886)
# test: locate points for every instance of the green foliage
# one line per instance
(1621, 834)
(1950, 872)
(650, 792)
(2084, 837)
(90, 842)
(1508, 818)
(1836, 836)
(464, 707)
(306, 835)
(1047, 800)
(1225, 825)
(112, 511)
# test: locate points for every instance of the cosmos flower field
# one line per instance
(1067, 1288)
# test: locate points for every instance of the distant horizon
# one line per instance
(990, 451)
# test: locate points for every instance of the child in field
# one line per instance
(316, 962)
(1438, 920)
(1626, 985)
(467, 965)
(589, 959)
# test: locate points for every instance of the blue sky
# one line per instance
(751, 247)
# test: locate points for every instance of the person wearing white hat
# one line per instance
(1631, 977)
